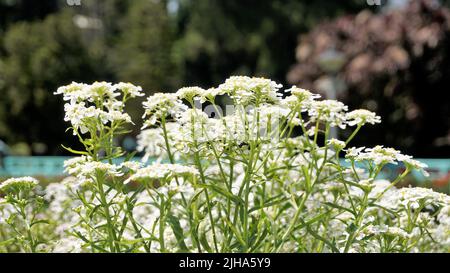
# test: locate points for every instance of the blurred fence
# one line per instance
(54, 166)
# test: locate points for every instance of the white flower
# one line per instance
(159, 171)
(353, 152)
(361, 117)
(189, 93)
(336, 143)
(386, 230)
(100, 91)
(246, 90)
(416, 195)
(18, 183)
(114, 116)
(151, 142)
(210, 94)
(159, 106)
(131, 165)
(130, 90)
(379, 155)
(68, 245)
(330, 111)
(73, 165)
(90, 168)
(300, 97)
(414, 164)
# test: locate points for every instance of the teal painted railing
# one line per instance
(53, 166)
(36, 165)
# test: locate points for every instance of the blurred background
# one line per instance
(391, 57)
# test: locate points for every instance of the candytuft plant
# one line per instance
(262, 176)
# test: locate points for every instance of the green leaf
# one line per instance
(224, 192)
(204, 242)
(39, 222)
(7, 242)
(178, 231)
(235, 232)
(338, 207)
(75, 151)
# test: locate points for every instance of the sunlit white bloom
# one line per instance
(377, 154)
(330, 111)
(129, 89)
(189, 93)
(151, 142)
(100, 91)
(79, 116)
(361, 117)
(303, 94)
(114, 116)
(131, 165)
(414, 164)
(353, 152)
(300, 99)
(74, 92)
(415, 196)
(91, 168)
(68, 245)
(246, 90)
(210, 94)
(18, 183)
(336, 143)
(386, 230)
(159, 171)
(161, 105)
(73, 165)
(193, 115)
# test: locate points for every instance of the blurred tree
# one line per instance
(24, 10)
(142, 51)
(221, 38)
(38, 57)
(395, 63)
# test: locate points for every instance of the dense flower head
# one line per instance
(331, 111)
(189, 93)
(336, 143)
(377, 154)
(161, 105)
(101, 90)
(386, 230)
(85, 169)
(210, 94)
(246, 90)
(414, 196)
(161, 171)
(303, 95)
(130, 90)
(361, 117)
(90, 106)
(18, 183)
(74, 91)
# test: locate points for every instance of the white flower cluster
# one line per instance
(414, 197)
(160, 171)
(246, 90)
(161, 105)
(330, 111)
(18, 183)
(85, 169)
(89, 106)
(361, 117)
(231, 179)
(383, 155)
(386, 230)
